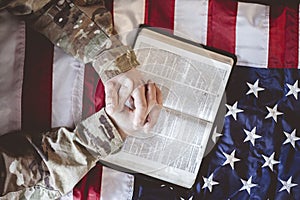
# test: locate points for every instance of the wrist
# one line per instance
(115, 61)
(122, 133)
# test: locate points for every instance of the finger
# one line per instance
(111, 96)
(159, 96)
(140, 104)
(125, 91)
(154, 112)
(151, 96)
(152, 117)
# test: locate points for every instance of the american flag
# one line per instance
(256, 155)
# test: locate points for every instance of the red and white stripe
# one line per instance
(260, 35)
(264, 36)
(42, 87)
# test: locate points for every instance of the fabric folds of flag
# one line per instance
(257, 153)
(48, 89)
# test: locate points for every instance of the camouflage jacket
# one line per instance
(45, 166)
(83, 29)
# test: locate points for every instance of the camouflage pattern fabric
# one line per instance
(48, 165)
(83, 31)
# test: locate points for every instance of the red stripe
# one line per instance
(160, 13)
(93, 93)
(89, 188)
(109, 4)
(99, 96)
(221, 28)
(37, 85)
(283, 36)
(90, 82)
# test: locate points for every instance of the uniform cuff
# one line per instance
(100, 134)
(115, 61)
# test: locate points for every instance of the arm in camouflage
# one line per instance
(50, 165)
(46, 166)
(82, 29)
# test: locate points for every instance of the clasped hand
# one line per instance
(132, 104)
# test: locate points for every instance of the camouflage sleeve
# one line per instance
(83, 29)
(46, 166)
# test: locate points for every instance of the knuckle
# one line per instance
(110, 110)
(151, 86)
(151, 95)
(143, 108)
(136, 126)
(138, 121)
(139, 90)
(110, 87)
(110, 84)
(127, 82)
(152, 102)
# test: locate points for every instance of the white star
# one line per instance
(209, 182)
(233, 110)
(254, 88)
(287, 185)
(191, 198)
(251, 136)
(293, 89)
(247, 185)
(291, 138)
(273, 113)
(163, 185)
(230, 159)
(269, 161)
(215, 135)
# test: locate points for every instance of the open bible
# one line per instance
(192, 80)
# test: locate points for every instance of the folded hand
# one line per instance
(132, 104)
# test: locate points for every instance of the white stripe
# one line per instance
(191, 19)
(12, 52)
(252, 34)
(116, 185)
(68, 77)
(128, 15)
(67, 89)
